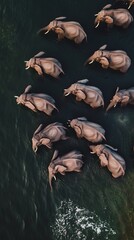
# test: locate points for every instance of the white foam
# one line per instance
(72, 222)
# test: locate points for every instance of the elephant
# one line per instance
(89, 94)
(70, 162)
(36, 101)
(46, 136)
(108, 157)
(50, 66)
(116, 60)
(92, 132)
(71, 30)
(119, 17)
(124, 97)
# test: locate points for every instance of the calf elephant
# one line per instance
(92, 132)
(124, 97)
(46, 136)
(108, 157)
(116, 60)
(70, 30)
(36, 101)
(119, 17)
(89, 94)
(50, 66)
(70, 162)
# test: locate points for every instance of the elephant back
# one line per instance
(116, 156)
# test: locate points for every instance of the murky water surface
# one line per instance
(90, 205)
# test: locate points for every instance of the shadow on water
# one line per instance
(88, 205)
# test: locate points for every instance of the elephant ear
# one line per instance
(46, 142)
(107, 6)
(103, 47)
(80, 95)
(78, 130)
(125, 99)
(27, 89)
(60, 18)
(38, 69)
(61, 169)
(39, 54)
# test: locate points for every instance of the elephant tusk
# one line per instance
(91, 62)
(25, 61)
(97, 24)
(35, 150)
(27, 68)
(54, 178)
(47, 31)
(67, 94)
(92, 152)
(16, 96)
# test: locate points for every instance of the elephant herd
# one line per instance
(93, 133)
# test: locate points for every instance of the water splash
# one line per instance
(72, 222)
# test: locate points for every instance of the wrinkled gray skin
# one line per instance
(108, 157)
(124, 97)
(116, 60)
(91, 131)
(71, 162)
(70, 30)
(89, 94)
(46, 136)
(119, 17)
(50, 66)
(36, 101)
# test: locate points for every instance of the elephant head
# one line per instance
(22, 98)
(52, 26)
(31, 63)
(96, 149)
(100, 16)
(97, 56)
(120, 96)
(116, 99)
(38, 139)
(73, 89)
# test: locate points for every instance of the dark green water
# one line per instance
(86, 206)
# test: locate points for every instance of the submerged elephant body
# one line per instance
(70, 30)
(46, 136)
(124, 97)
(71, 162)
(116, 60)
(90, 131)
(108, 157)
(36, 101)
(89, 94)
(119, 17)
(50, 66)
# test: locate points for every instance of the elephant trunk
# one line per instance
(97, 24)
(112, 104)
(92, 148)
(45, 29)
(66, 92)
(90, 60)
(51, 176)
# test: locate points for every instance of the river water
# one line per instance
(90, 205)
